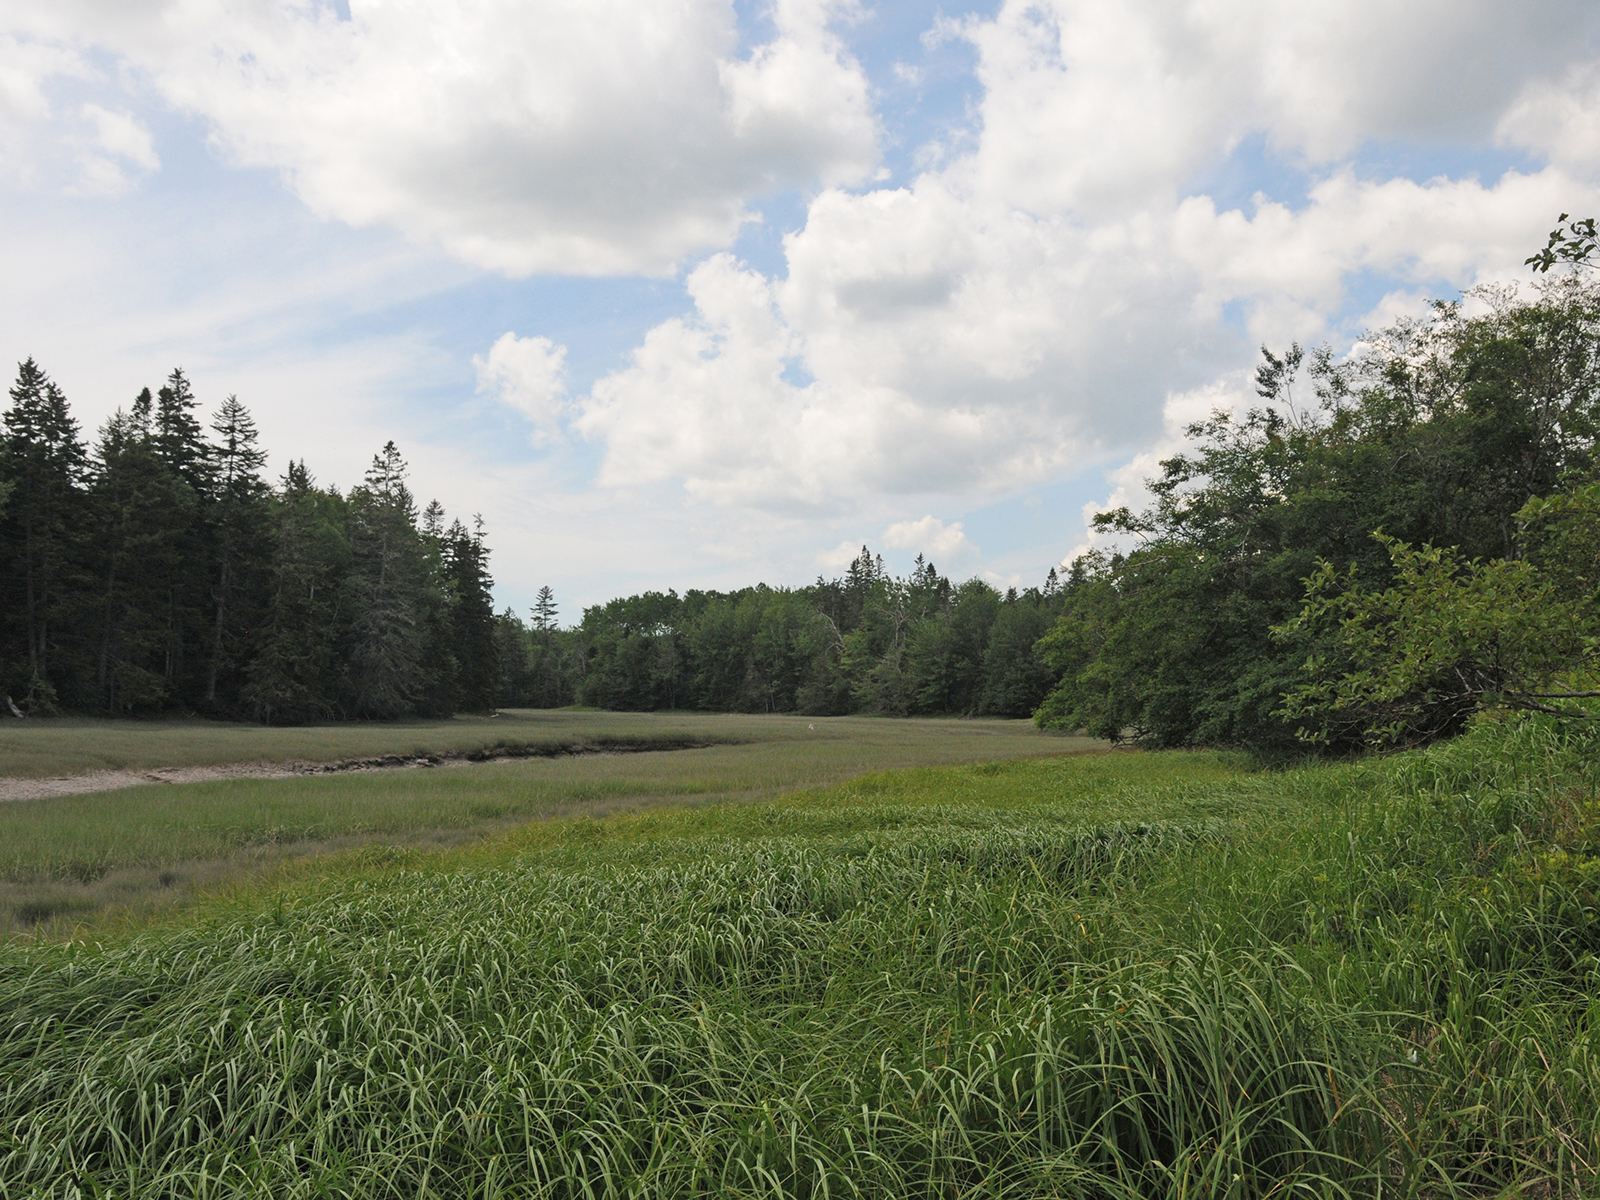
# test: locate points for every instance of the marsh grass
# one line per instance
(66, 859)
(36, 749)
(1115, 976)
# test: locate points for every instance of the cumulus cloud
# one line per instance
(578, 136)
(1558, 118)
(709, 399)
(528, 375)
(929, 536)
(1032, 303)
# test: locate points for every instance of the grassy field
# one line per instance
(67, 858)
(1138, 975)
(42, 748)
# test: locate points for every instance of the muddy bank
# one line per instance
(107, 781)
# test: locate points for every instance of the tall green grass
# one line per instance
(1122, 976)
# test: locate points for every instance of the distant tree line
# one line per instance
(157, 570)
(865, 642)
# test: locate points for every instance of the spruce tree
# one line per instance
(179, 440)
(42, 465)
(471, 618)
(516, 663)
(544, 610)
(389, 577)
(238, 516)
(547, 684)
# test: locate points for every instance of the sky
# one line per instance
(690, 293)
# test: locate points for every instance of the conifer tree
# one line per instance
(544, 610)
(238, 529)
(471, 618)
(516, 664)
(179, 440)
(41, 467)
(433, 521)
(388, 571)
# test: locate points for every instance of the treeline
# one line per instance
(865, 642)
(1445, 431)
(156, 570)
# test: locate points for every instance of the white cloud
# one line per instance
(1558, 118)
(841, 556)
(929, 536)
(123, 135)
(1104, 104)
(117, 142)
(1031, 305)
(1293, 267)
(527, 374)
(580, 136)
(24, 68)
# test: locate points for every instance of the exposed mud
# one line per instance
(107, 781)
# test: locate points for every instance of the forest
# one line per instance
(158, 571)
(1388, 542)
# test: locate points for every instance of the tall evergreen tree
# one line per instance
(389, 574)
(42, 464)
(544, 610)
(238, 519)
(516, 663)
(433, 521)
(553, 683)
(179, 440)
(471, 618)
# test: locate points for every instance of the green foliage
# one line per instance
(292, 675)
(470, 619)
(144, 515)
(389, 586)
(866, 642)
(1439, 431)
(1445, 640)
(42, 463)
(162, 574)
(1572, 244)
(238, 528)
